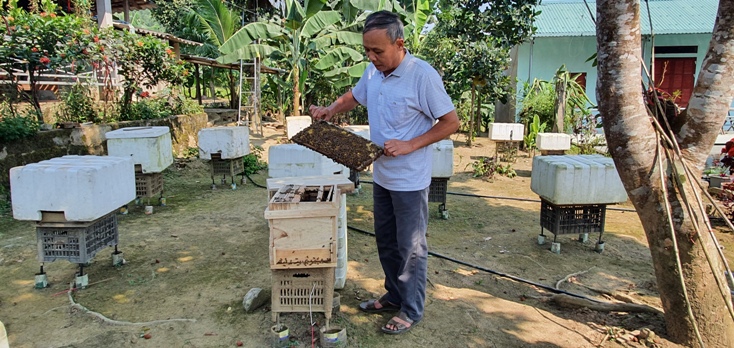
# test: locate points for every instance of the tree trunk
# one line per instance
(560, 106)
(479, 114)
(632, 141)
(33, 81)
(296, 94)
(470, 136)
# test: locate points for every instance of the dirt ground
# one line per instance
(190, 263)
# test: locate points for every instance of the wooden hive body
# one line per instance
(303, 226)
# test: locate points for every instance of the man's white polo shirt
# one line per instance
(402, 106)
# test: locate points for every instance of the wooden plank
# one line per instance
(300, 213)
(304, 257)
(341, 181)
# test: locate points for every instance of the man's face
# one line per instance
(384, 54)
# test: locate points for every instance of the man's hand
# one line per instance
(394, 147)
(320, 112)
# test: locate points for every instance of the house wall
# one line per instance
(541, 57)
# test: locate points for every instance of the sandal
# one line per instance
(400, 324)
(378, 306)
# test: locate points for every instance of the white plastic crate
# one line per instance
(443, 159)
(295, 124)
(83, 188)
(506, 131)
(553, 141)
(228, 142)
(149, 147)
(362, 131)
(577, 179)
(292, 160)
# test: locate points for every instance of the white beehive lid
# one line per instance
(288, 160)
(362, 131)
(577, 179)
(137, 132)
(443, 159)
(295, 124)
(228, 142)
(149, 147)
(83, 188)
(506, 131)
(553, 141)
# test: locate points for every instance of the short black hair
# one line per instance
(385, 20)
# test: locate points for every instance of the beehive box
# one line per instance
(443, 159)
(82, 188)
(553, 141)
(506, 131)
(149, 147)
(577, 179)
(289, 160)
(303, 226)
(228, 142)
(295, 124)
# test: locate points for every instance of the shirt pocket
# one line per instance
(397, 111)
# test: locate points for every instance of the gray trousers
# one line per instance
(401, 221)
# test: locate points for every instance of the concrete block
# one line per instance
(83, 188)
(228, 142)
(149, 147)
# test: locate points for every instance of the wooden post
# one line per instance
(198, 83)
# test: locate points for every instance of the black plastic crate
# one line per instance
(75, 242)
(148, 185)
(567, 219)
(437, 190)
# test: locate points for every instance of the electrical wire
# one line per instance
(254, 183)
(497, 273)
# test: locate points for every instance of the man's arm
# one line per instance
(446, 125)
(343, 104)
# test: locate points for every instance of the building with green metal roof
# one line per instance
(676, 33)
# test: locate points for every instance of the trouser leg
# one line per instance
(402, 245)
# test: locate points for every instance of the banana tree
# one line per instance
(312, 36)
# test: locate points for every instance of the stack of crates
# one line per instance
(225, 148)
(73, 200)
(303, 247)
(345, 185)
(151, 150)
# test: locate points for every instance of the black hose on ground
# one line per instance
(507, 198)
(504, 275)
(254, 183)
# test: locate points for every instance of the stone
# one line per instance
(255, 298)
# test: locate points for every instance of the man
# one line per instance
(404, 97)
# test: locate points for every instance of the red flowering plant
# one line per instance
(35, 42)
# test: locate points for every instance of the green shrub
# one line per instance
(77, 105)
(487, 167)
(146, 109)
(14, 127)
(253, 161)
